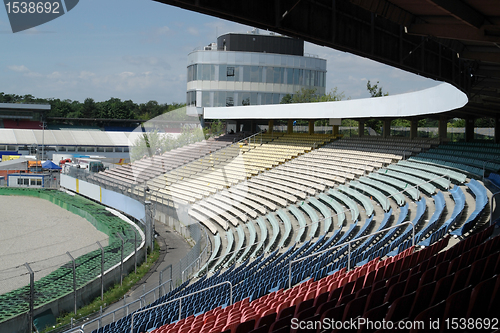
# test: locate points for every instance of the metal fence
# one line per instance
(62, 276)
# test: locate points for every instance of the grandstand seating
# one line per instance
(22, 124)
(471, 157)
(279, 199)
(415, 278)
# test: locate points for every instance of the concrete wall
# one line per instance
(109, 198)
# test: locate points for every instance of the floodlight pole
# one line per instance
(74, 277)
(32, 295)
(102, 270)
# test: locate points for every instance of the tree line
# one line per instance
(113, 108)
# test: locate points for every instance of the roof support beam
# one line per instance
(493, 57)
(461, 11)
(456, 31)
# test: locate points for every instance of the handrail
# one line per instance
(219, 257)
(491, 206)
(324, 218)
(180, 302)
(349, 249)
(484, 166)
(418, 193)
(99, 319)
(143, 296)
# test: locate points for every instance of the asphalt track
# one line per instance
(38, 232)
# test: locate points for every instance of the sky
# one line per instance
(137, 50)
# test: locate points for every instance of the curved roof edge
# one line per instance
(441, 98)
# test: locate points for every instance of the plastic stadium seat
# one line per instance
(374, 314)
(426, 316)
(460, 279)
(456, 304)
(442, 289)
(280, 323)
(354, 308)
(422, 299)
(394, 292)
(261, 329)
(375, 298)
(480, 298)
(400, 308)
(267, 320)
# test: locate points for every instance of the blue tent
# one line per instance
(50, 165)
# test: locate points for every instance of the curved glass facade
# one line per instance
(232, 78)
(259, 74)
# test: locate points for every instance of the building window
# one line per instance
(81, 149)
(108, 149)
(26, 181)
(230, 71)
(125, 150)
(19, 181)
(118, 149)
(229, 101)
(100, 149)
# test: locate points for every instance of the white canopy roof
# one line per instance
(441, 98)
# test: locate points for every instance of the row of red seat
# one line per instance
(406, 287)
(219, 319)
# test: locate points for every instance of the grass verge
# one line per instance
(111, 296)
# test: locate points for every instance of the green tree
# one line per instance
(375, 91)
(89, 108)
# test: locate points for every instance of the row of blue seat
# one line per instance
(481, 196)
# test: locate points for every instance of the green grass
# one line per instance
(112, 295)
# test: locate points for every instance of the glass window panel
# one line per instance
(276, 98)
(205, 99)
(277, 75)
(269, 98)
(237, 73)
(307, 77)
(269, 74)
(289, 76)
(125, 150)
(229, 100)
(222, 72)
(222, 98)
(253, 98)
(108, 149)
(212, 73)
(254, 74)
(244, 98)
(246, 74)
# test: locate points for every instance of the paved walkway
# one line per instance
(173, 247)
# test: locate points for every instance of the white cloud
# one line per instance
(193, 31)
(33, 74)
(54, 75)
(86, 75)
(148, 61)
(163, 30)
(16, 68)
